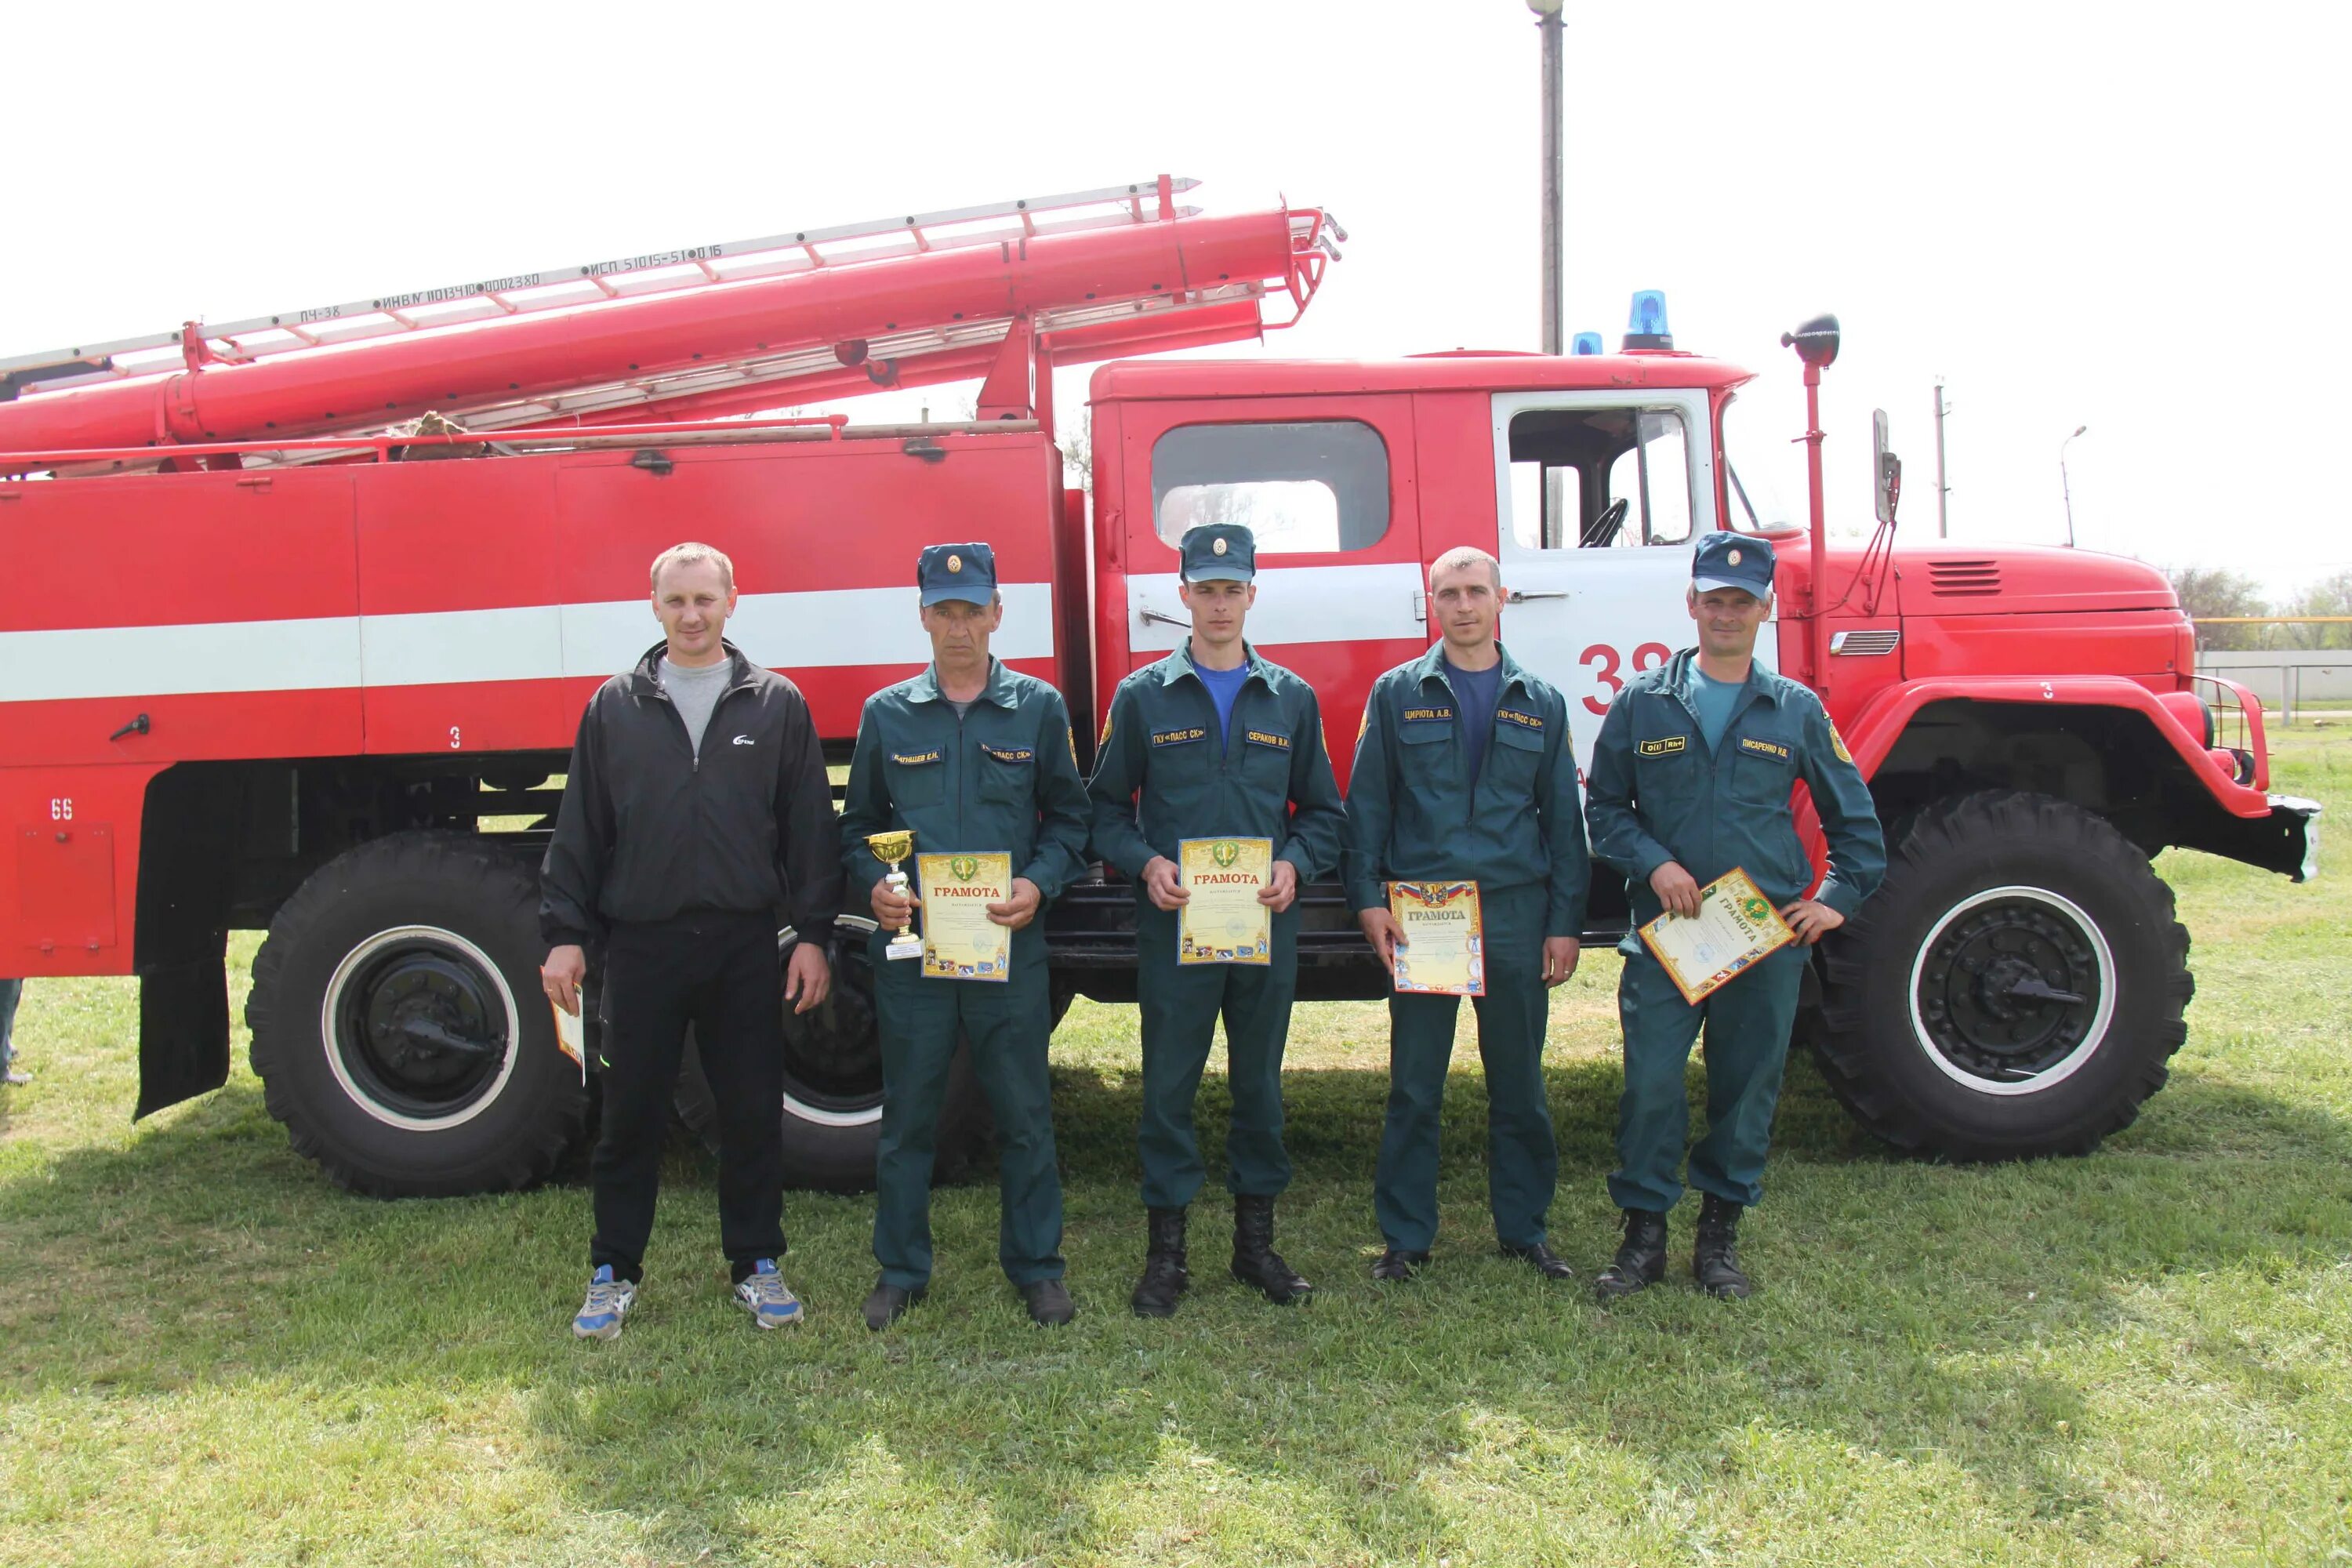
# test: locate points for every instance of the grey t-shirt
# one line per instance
(695, 690)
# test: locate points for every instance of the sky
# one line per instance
(2122, 217)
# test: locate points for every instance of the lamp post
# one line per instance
(1548, 23)
(2066, 490)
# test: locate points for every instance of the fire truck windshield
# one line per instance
(1751, 475)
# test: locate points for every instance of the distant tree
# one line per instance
(2328, 596)
(1076, 440)
(2207, 591)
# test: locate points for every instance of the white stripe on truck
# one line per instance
(537, 642)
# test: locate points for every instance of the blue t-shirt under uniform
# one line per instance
(1477, 692)
(1223, 685)
(1715, 700)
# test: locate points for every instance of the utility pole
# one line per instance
(2065, 490)
(1549, 25)
(1943, 523)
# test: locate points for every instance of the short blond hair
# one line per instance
(688, 554)
(1466, 555)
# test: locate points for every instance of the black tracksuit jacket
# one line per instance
(648, 832)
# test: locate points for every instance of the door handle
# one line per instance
(1420, 605)
(1147, 614)
(1517, 596)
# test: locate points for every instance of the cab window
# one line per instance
(1303, 486)
(1600, 478)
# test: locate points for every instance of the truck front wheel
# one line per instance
(2015, 988)
(833, 1083)
(398, 1026)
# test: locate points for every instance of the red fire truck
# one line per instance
(297, 614)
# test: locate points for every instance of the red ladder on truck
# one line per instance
(703, 330)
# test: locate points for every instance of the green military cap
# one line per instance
(1219, 549)
(966, 572)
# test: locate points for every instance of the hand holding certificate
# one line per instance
(1223, 921)
(1735, 926)
(1444, 946)
(959, 942)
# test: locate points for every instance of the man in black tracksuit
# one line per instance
(697, 820)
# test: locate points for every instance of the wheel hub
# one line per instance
(2009, 987)
(420, 1029)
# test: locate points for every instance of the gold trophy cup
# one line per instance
(891, 848)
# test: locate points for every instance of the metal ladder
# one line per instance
(581, 283)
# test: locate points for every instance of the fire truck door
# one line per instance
(1601, 495)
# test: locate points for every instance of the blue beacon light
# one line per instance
(1645, 327)
(1585, 343)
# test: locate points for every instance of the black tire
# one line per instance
(833, 1084)
(2015, 988)
(398, 1025)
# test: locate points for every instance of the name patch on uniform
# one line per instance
(1429, 715)
(1267, 738)
(1763, 747)
(1177, 737)
(1665, 748)
(1009, 753)
(910, 758)
(1524, 720)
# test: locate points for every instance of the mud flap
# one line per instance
(183, 1028)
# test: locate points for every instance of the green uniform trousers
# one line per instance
(1182, 1004)
(1008, 1024)
(1748, 1023)
(1522, 1156)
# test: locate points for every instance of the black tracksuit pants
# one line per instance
(721, 973)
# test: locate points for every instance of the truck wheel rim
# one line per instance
(825, 1083)
(1979, 1007)
(419, 1027)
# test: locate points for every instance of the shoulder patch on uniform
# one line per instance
(1106, 732)
(1267, 738)
(912, 759)
(1663, 748)
(1837, 744)
(1439, 715)
(1524, 720)
(1764, 748)
(1179, 737)
(1010, 754)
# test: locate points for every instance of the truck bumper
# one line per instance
(2296, 821)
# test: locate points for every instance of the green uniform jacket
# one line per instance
(1161, 740)
(1413, 814)
(1002, 778)
(1657, 793)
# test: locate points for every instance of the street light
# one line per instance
(1548, 23)
(2065, 489)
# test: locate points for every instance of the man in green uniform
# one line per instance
(1213, 742)
(975, 759)
(1464, 772)
(1691, 777)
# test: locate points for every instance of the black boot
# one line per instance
(1255, 1262)
(888, 1304)
(1641, 1260)
(1164, 1276)
(1049, 1302)
(1715, 1261)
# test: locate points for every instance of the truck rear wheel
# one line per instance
(2015, 988)
(833, 1083)
(398, 1025)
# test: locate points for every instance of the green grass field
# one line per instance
(208, 1354)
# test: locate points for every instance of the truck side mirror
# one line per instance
(1885, 469)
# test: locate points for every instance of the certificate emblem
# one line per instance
(1224, 852)
(964, 867)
